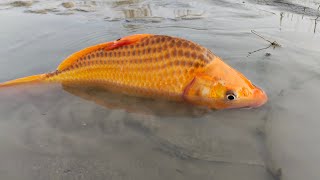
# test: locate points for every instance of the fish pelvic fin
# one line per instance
(25, 80)
(105, 46)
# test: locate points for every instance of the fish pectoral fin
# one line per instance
(105, 46)
(24, 80)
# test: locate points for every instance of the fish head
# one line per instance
(220, 86)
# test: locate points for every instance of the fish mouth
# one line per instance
(260, 98)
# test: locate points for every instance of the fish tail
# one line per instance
(24, 80)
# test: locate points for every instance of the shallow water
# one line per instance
(51, 132)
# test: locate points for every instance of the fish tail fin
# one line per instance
(24, 80)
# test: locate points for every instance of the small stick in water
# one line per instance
(274, 44)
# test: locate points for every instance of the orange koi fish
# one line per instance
(156, 66)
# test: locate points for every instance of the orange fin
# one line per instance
(106, 46)
(24, 80)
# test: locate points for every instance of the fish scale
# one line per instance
(155, 63)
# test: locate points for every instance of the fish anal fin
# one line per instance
(105, 46)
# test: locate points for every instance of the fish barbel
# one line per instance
(156, 66)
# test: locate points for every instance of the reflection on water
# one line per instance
(303, 7)
(138, 12)
(310, 23)
(315, 24)
(62, 132)
(133, 104)
(114, 10)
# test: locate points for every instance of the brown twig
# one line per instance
(273, 44)
(249, 53)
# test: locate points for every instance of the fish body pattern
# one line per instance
(156, 66)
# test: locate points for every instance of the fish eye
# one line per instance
(231, 96)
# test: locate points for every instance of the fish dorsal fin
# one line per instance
(105, 46)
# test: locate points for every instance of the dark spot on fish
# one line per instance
(162, 57)
(196, 64)
(201, 57)
(149, 50)
(167, 56)
(180, 52)
(185, 44)
(159, 49)
(157, 40)
(179, 43)
(133, 53)
(147, 42)
(174, 52)
(192, 46)
(177, 63)
(193, 55)
(171, 44)
(187, 54)
(169, 38)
